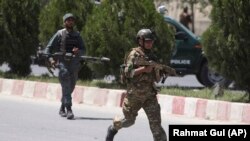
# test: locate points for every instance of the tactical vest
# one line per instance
(68, 41)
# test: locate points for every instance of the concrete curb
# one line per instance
(177, 105)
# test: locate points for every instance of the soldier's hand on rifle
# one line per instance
(148, 69)
(75, 50)
(52, 63)
(143, 69)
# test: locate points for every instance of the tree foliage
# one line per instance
(112, 28)
(226, 42)
(20, 34)
(2, 33)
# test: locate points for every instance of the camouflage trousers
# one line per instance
(132, 104)
(68, 75)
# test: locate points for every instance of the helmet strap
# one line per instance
(141, 43)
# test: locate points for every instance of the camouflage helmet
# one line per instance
(145, 34)
(68, 15)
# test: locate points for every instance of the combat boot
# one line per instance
(111, 133)
(62, 111)
(70, 114)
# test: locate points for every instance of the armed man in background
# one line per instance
(66, 41)
(141, 89)
(185, 18)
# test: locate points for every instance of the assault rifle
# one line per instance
(164, 70)
(69, 56)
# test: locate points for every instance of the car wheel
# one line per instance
(208, 77)
(198, 77)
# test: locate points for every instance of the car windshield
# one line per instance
(178, 25)
(187, 30)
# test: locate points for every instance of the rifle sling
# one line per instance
(63, 33)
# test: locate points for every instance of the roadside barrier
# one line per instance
(177, 105)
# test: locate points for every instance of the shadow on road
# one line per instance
(183, 87)
(91, 118)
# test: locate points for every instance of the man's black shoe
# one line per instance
(70, 114)
(111, 133)
(62, 111)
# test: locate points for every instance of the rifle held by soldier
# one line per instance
(161, 70)
(68, 56)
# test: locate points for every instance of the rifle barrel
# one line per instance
(90, 58)
(87, 58)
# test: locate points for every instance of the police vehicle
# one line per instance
(188, 56)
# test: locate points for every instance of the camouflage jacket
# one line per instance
(142, 83)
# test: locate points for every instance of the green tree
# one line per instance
(112, 28)
(50, 19)
(20, 28)
(226, 42)
(2, 33)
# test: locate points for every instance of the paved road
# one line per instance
(24, 119)
(186, 81)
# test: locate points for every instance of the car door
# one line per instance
(185, 54)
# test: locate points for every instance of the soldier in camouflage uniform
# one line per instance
(141, 91)
(67, 41)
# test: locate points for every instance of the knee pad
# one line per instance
(120, 123)
(117, 122)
